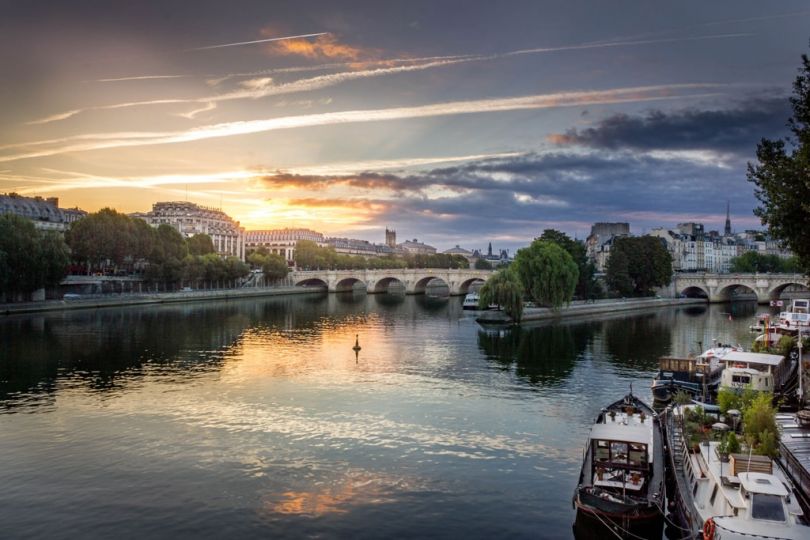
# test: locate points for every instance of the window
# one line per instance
(767, 507)
(740, 379)
(602, 451)
(714, 494)
(618, 452)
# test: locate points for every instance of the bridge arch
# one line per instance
(348, 284)
(464, 286)
(728, 293)
(383, 284)
(312, 282)
(694, 291)
(776, 292)
(420, 286)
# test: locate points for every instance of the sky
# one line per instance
(454, 122)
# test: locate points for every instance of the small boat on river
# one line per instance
(621, 485)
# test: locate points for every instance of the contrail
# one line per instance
(240, 43)
(245, 127)
(142, 77)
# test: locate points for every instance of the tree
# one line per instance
(637, 265)
(482, 264)
(547, 272)
(275, 267)
(782, 175)
(759, 420)
(587, 286)
(200, 244)
(104, 235)
(752, 261)
(29, 259)
(505, 290)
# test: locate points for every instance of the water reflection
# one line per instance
(636, 342)
(543, 355)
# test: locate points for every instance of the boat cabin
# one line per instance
(751, 370)
(620, 452)
(797, 317)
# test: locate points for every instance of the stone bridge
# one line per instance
(720, 287)
(414, 280)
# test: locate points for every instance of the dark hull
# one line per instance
(643, 521)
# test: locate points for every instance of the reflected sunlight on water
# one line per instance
(256, 418)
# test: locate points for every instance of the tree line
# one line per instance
(554, 269)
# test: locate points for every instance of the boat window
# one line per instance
(694, 490)
(741, 379)
(767, 507)
(618, 452)
(714, 494)
(602, 451)
(638, 454)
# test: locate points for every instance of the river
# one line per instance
(256, 419)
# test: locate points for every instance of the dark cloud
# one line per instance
(734, 130)
(518, 197)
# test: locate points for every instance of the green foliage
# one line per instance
(169, 245)
(200, 244)
(732, 443)
(587, 285)
(780, 176)
(106, 235)
(547, 272)
(505, 290)
(728, 399)
(682, 398)
(29, 259)
(482, 264)
(637, 265)
(752, 262)
(759, 420)
(274, 266)
(311, 256)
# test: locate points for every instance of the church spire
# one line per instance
(728, 219)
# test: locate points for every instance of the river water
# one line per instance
(255, 418)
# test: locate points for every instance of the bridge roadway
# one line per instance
(415, 280)
(719, 287)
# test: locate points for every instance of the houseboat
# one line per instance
(717, 497)
(698, 376)
(758, 371)
(621, 485)
(797, 318)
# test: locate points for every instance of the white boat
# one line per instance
(758, 371)
(470, 301)
(797, 318)
(743, 498)
(761, 323)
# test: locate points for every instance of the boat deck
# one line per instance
(795, 455)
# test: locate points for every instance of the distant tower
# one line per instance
(390, 238)
(728, 219)
(489, 250)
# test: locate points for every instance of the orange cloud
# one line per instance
(559, 138)
(322, 47)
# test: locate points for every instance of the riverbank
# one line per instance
(582, 309)
(113, 300)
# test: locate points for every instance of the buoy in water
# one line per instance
(357, 346)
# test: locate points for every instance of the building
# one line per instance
(415, 247)
(45, 213)
(190, 219)
(391, 238)
(598, 243)
(281, 241)
(352, 246)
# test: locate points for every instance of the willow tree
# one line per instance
(782, 176)
(547, 272)
(505, 290)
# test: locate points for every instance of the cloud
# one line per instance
(324, 46)
(735, 130)
(142, 77)
(229, 129)
(361, 61)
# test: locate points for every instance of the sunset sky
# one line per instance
(455, 122)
